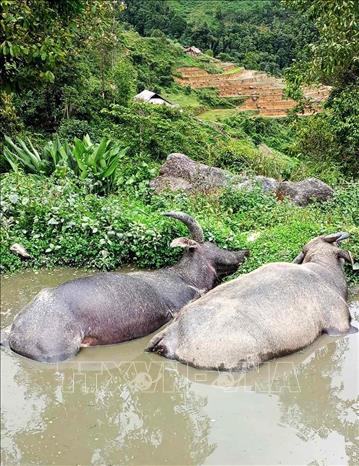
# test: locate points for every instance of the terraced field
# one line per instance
(263, 94)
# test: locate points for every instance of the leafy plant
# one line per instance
(25, 156)
(61, 222)
(99, 160)
(84, 158)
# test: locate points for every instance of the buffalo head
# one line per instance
(222, 261)
(325, 249)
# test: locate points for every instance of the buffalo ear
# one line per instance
(299, 259)
(184, 243)
(346, 255)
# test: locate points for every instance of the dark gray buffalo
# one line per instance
(275, 310)
(110, 308)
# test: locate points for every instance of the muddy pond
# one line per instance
(117, 405)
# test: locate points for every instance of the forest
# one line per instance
(78, 153)
(260, 35)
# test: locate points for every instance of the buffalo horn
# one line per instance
(299, 258)
(340, 236)
(193, 226)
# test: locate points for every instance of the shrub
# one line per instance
(62, 223)
(333, 136)
(244, 156)
(85, 159)
(160, 130)
(73, 128)
(210, 97)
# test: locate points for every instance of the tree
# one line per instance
(334, 133)
(37, 35)
(335, 55)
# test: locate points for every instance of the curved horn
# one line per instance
(193, 226)
(299, 259)
(340, 236)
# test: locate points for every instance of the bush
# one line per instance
(333, 135)
(210, 97)
(243, 156)
(159, 130)
(62, 223)
(98, 162)
(74, 128)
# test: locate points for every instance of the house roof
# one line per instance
(145, 95)
(149, 96)
(193, 49)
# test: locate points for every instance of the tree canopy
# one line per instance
(334, 57)
(258, 34)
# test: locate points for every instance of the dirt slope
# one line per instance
(262, 93)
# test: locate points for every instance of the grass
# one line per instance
(218, 114)
(235, 70)
(203, 62)
(61, 223)
(188, 101)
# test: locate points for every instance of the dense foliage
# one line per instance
(73, 195)
(37, 39)
(256, 34)
(334, 134)
(62, 223)
(334, 56)
(81, 158)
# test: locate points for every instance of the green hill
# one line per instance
(255, 34)
(80, 152)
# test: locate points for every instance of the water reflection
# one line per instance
(325, 407)
(137, 412)
(119, 405)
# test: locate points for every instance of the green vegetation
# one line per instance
(38, 39)
(255, 34)
(79, 152)
(62, 223)
(217, 114)
(333, 57)
(332, 136)
(81, 158)
(233, 70)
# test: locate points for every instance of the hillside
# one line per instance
(80, 152)
(256, 34)
(262, 94)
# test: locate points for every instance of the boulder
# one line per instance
(170, 183)
(267, 184)
(180, 173)
(305, 191)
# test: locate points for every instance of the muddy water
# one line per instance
(119, 405)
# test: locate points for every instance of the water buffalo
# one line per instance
(109, 308)
(275, 310)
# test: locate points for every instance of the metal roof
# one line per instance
(145, 95)
(149, 96)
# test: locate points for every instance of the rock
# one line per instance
(267, 184)
(179, 172)
(20, 250)
(303, 192)
(170, 183)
